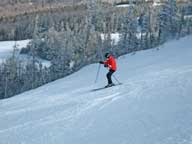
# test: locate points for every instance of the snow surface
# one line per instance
(153, 106)
(187, 16)
(155, 4)
(6, 48)
(115, 37)
(124, 5)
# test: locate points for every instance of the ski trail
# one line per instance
(80, 105)
(100, 102)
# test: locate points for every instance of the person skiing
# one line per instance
(110, 62)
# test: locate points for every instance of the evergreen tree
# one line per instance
(128, 38)
(168, 21)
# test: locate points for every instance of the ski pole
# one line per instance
(97, 73)
(116, 79)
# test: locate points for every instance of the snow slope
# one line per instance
(153, 106)
(6, 48)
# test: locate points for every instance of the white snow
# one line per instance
(187, 16)
(153, 106)
(155, 4)
(114, 37)
(25, 58)
(124, 5)
(71, 64)
(6, 48)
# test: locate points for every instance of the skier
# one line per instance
(110, 62)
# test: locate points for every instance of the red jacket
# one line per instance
(111, 63)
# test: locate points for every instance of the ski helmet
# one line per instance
(107, 55)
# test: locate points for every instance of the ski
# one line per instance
(101, 88)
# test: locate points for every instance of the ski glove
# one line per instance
(101, 62)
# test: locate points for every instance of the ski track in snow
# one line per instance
(153, 106)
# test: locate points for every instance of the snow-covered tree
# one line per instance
(168, 21)
(128, 38)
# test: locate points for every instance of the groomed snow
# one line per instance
(153, 106)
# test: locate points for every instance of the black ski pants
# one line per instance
(109, 74)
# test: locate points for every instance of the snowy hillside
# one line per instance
(6, 48)
(153, 106)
